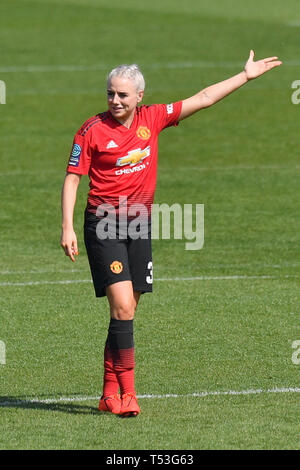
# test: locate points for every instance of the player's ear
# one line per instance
(140, 96)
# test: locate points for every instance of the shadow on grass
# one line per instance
(73, 408)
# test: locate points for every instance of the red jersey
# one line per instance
(121, 161)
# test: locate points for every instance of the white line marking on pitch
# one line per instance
(38, 283)
(171, 279)
(49, 401)
(82, 270)
(105, 67)
(290, 168)
(221, 278)
(47, 271)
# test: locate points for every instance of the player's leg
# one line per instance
(123, 301)
(112, 263)
(108, 261)
(123, 305)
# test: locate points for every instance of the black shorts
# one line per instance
(115, 260)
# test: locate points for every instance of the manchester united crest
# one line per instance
(143, 133)
(116, 267)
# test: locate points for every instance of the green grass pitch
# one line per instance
(230, 326)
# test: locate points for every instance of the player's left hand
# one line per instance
(255, 69)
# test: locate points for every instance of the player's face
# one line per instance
(123, 97)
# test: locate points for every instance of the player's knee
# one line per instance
(123, 311)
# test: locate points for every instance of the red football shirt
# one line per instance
(121, 162)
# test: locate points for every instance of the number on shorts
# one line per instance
(149, 279)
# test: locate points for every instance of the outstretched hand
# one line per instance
(255, 69)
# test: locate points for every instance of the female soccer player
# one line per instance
(118, 150)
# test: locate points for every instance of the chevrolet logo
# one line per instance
(133, 157)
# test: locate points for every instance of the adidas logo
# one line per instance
(111, 145)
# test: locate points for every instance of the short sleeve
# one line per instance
(167, 114)
(80, 157)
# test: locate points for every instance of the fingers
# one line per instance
(70, 249)
(270, 59)
(267, 60)
(69, 252)
(271, 65)
(75, 248)
(74, 251)
(275, 63)
(251, 55)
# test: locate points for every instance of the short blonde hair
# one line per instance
(131, 72)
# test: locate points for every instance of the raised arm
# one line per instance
(214, 93)
(68, 198)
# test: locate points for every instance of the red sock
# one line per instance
(110, 380)
(124, 367)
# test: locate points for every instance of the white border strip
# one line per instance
(49, 401)
(170, 279)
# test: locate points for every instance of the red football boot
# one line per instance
(111, 403)
(129, 405)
